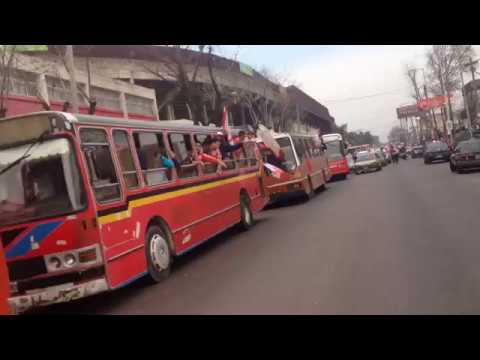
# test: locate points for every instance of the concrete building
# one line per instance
(151, 67)
(34, 81)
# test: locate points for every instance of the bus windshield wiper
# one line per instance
(25, 155)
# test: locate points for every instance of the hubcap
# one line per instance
(160, 253)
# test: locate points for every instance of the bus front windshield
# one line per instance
(45, 183)
(334, 150)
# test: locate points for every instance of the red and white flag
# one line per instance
(225, 124)
(274, 171)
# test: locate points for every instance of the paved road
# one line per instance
(400, 241)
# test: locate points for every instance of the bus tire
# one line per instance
(246, 215)
(309, 192)
(158, 254)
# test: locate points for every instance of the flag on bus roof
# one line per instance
(266, 136)
(225, 125)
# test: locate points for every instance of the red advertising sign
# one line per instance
(431, 103)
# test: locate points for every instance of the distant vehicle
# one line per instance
(417, 151)
(336, 153)
(367, 161)
(465, 156)
(436, 151)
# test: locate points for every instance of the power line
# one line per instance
(366, 96)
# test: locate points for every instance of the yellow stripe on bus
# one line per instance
(107, 219)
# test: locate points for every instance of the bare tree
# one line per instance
(7, 57)
(177, 68)
(444, 63)
(59, 52)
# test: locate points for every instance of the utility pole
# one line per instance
(425, 92)
(73, 83)
(465, 103)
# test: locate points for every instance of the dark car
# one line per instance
(466, 156)
(417, 152)
(436, 151)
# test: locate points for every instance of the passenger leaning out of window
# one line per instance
(164, 160)
(240, 139)
(208, 158)
(226, 149)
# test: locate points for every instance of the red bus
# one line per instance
(337, 157)
(304, 163)
(4, 285)
(88, 204)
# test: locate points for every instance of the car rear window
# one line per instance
(437, 147)
(469, 147)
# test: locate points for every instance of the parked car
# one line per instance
(367, 161)
(417, 152)
(466, 156)
(436, 151)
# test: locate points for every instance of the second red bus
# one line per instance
(304, 163)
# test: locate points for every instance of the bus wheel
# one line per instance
(309, 190)
(158, 254)
(246, 221)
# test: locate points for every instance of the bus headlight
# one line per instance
(54, 263)
(88, 256)
(69, 260)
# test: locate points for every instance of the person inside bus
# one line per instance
(241, 138)
(227, 149)
(214, 149)
(164, 160)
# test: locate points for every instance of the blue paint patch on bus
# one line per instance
(38, 234)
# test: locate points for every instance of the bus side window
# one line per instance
(150, 148)
(181, 145)
(299, 149)
(99, 160)
(124, 154)
(315, 148)
(202, 139)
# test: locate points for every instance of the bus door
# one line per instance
(194, 203)
(117, 228)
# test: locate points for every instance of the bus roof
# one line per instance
(127, 123)
(331, 137)
(160, 125)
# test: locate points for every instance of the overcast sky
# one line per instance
(337, 75)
